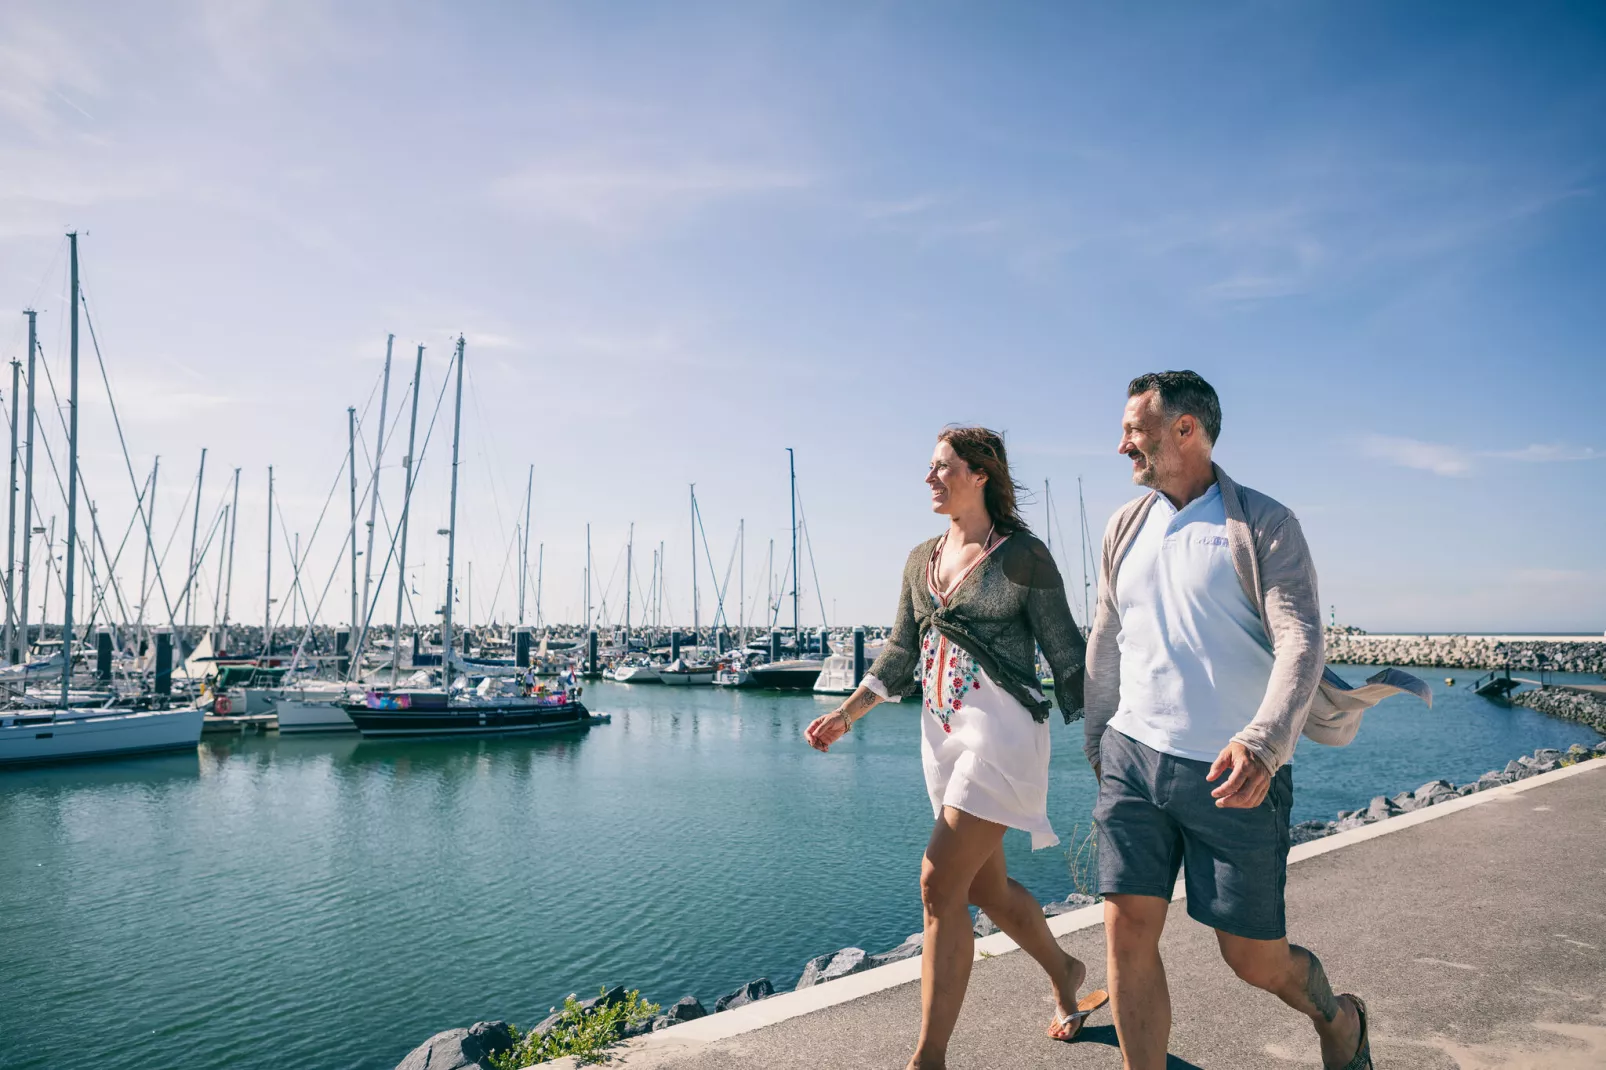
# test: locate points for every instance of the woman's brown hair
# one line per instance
(983, 451)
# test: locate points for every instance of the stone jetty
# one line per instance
(1567, 703)
(1351, 646)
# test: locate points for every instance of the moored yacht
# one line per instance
(59, 735)
(680, 673)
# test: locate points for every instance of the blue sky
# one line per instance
(681, 238)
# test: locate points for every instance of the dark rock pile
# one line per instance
(1350, 646)
(1434, 792)
(1580, 706)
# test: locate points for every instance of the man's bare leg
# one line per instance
(959, 845)
(1016, 911)
(1295, 976)
(1138, 993)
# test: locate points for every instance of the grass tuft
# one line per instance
(584, 1034)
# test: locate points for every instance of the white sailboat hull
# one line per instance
(636, 674)
(78, 734)
(696, 677)
(310, 715)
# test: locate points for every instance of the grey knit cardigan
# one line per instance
(1013, 603)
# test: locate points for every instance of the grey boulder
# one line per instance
(1547, 754)
(751, 992)
(1433, 792)
(686, 1010)
(458, 1049)
(984, 925)
(830, 967)
(906, 950)
(616, 994)
(1074, 901)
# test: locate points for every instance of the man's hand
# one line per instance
(1247, 786)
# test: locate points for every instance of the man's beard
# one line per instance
(1149, 474)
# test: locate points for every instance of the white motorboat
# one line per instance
(679, 673)
(639, 673)
(836, 678)
(38, 736)
(733, 675)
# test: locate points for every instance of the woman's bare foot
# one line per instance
(1067, 984)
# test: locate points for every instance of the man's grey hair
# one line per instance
(1183, 393)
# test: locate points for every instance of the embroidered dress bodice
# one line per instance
(982, 750)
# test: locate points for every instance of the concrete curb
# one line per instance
(779, 1008)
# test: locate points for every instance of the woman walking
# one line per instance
(975, 605)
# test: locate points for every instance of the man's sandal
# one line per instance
(1066, 1026)
(1362, 1059)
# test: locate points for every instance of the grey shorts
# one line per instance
(1155, 814)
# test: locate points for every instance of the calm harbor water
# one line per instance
(329, 903)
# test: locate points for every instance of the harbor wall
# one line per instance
(1350, 646)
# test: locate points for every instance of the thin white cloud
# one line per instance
(1432, 457)
(621, 196)
(1543, 453)
(1447, 460)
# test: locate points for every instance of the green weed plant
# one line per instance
(584, 1034)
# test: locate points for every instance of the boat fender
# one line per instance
(221, 706)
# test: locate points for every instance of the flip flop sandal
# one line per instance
(1362, 1059)
(1065, 1027)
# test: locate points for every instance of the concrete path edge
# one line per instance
(779, 1008)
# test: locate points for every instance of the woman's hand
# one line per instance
(826, 730)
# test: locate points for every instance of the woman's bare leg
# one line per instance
(960, 844)
(1016, 911)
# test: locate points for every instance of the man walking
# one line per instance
(1204, 667)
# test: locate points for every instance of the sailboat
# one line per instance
(68, 733)
(799, 673)
(496, 706)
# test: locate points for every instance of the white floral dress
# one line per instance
(982, 750)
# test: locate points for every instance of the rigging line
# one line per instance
(813, 567)
(306, 632)
(340, 475)
(296, 586)
(513, 542)
(50, 457)
(205, 547)
(122, 442)
(395, 533)
(617, 561)
(719, 609)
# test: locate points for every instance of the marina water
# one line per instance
(328, 903)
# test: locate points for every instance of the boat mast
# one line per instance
(217, 589)
(540, 560)
(588, 578)
(11, 522)
(451, 526)
(27, 495)
(407, 503)
(234, 529)
(1048, 518)
(72, 471)
(267, 595)
(524, 553)
(195, 529)
(373, 498)
(696, 637)
(1087, 621)
(351, 465)
(630, 549)
(797, 617)
(150, 546)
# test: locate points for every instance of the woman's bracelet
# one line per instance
(847, 718)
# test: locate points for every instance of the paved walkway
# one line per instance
(1477, 937)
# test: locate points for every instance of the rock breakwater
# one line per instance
(1383, 807)
(1349, 646)
(1583, 707)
